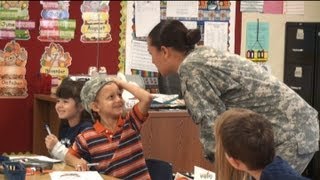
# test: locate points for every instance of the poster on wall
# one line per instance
(257, 41)
(13, 60)
(55, 61)
(95, 27)
(14, 20)
(55, 25)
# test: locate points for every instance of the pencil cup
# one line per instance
(14, 170)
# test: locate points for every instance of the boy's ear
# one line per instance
(237, 164)
(94, 106)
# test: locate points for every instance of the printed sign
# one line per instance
(95, 27)
(14, 22)
(55, 25)
(55, 61)
(13, 60)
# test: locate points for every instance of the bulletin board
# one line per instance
(208, 11)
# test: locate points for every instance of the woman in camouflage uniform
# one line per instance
(213, 82)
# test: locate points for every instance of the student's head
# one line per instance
(69, 102)
(102, 98)
(170, 41)
(246, 139)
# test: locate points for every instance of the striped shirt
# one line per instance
(119, 153)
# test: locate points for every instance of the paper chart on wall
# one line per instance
(294, 7)
(147, 16)
(216, 35)
(141, 59)
(187, 9)
(251, 6)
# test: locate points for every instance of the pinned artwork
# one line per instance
(95, 27)
(55, 25)
(13, 60)
(14, 20)
(55, 61)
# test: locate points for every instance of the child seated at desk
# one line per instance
(114, 141)
(74, 119)
(245, 141)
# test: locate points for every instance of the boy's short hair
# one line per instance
(247, 136)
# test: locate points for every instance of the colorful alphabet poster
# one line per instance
(55, 61)
(95, 27)
(14, 20)
(55, 25)
(13, 60)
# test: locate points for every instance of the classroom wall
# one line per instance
(277, 32)
(16, 114)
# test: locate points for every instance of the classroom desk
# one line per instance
(167, 135)
(56, 167)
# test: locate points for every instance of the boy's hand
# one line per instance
(81, 165)
(51, 140)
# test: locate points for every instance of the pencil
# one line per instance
(92, 164)
(48, 129)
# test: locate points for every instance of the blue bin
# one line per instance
(14, 170)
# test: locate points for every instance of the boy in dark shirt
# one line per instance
(74, 119)
(246, 142)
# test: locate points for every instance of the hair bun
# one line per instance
(193, 36)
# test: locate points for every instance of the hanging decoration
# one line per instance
(14, 20)
(55, 61)
(95, 27)
(13, 60)
(55, 25)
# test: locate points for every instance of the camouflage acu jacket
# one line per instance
(214, 81)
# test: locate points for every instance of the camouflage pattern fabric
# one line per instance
(214, 81)
(90, 89)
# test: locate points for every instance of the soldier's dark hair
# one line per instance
(246, 136)
(173, 33)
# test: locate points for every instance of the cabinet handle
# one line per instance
(297, 50)
(295, 88)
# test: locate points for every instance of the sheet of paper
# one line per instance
(147, 15)
(251, 6)
(294, 7)
(203, 174)
(216, 35)
(190, 24)
(141, 59)
(81, 175)
(273, 7)
(186, 9)
(41, 158)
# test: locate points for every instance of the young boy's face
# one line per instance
(67, 108)
(109, 102)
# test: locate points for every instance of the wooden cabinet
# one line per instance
(167, 135)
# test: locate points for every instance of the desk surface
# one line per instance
(56, 167)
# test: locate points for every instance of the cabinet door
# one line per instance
(300, 78)
(317, 73)
(300, 43)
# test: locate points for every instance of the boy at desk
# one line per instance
(74, 119)
(113, 143)
(245, 140)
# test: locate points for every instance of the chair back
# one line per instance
(159, 170)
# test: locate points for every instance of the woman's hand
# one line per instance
(51, 140)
